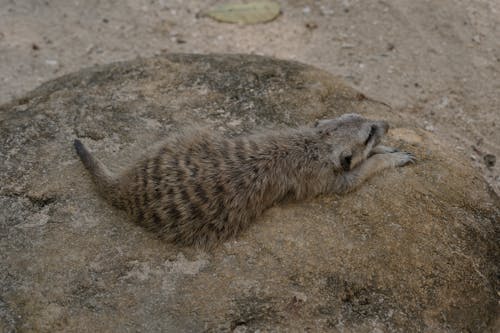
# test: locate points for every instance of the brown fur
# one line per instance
(201, 188)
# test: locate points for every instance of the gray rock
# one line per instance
(415, 249)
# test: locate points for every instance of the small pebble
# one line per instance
(326, 11)
(444, 101)
(51, 62)
(347, 46)
(311, 25)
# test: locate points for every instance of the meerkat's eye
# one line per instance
(373, 129)
(345, 162)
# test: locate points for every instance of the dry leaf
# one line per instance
(247, 13)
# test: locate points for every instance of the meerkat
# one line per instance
(201, 188)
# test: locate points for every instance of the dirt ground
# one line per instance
(438, 62)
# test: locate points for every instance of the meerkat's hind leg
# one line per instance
(350, 180)
(381, 149)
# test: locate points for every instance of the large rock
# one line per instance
(415, 249)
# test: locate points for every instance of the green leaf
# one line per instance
(247, 13)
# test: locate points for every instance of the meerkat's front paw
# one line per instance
(401, 158)
(380, 149)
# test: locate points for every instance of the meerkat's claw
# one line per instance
(413, 158)
(402, 158)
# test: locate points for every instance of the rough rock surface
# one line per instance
(415, 249)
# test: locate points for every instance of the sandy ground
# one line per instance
(436, 61)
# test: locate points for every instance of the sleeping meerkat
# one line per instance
(201, 188)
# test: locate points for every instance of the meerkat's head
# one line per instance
(350, 138)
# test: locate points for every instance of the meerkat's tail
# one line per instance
(106, 181)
